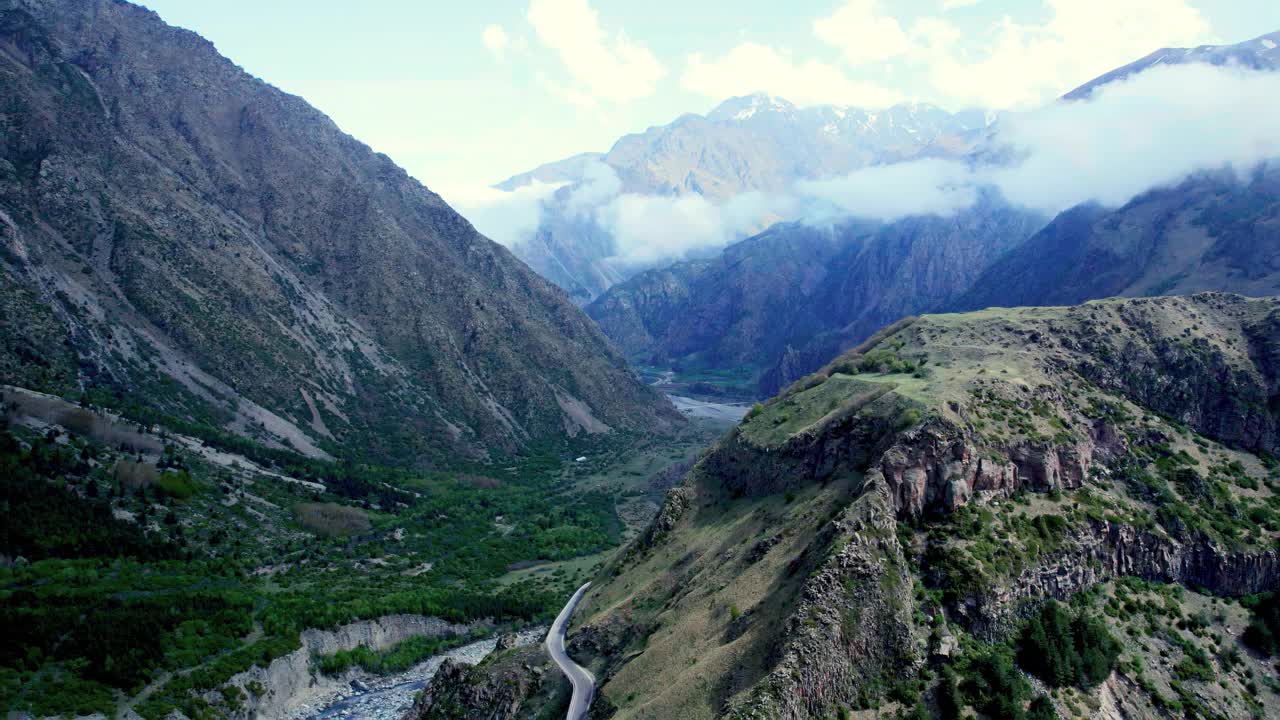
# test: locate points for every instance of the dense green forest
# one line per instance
(124, 569)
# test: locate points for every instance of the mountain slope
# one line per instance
(796, 295)
(756, 143)
(219, 251)
(892, 533)
(1210, 232)
(1260, 53)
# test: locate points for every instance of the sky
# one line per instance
(463, 95)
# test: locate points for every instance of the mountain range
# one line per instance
(184, 242)
(756, 143)
(782, 304)
(797, 295)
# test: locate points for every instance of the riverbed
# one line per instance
(727, 412)
(390, 697)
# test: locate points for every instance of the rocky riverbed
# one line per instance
(387, 698)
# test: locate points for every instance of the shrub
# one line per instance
(1066, 649)
(1263, 633)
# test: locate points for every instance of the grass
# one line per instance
(778, 421)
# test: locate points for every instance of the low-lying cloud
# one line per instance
(1149, 131)
(507, 218)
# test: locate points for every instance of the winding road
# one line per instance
(584, 683)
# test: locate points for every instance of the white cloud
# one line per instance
(616, 70)
(495, 38)
(751, 67)
(862, 33)
(504, 217)
(891, 192)
(1152, 130)
(599, 184)
(1024, 64)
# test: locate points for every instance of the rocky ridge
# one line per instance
(916, 500)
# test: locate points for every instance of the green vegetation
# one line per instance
(133, 566)
(1065, 648)
(393, 660)
(1263, 633)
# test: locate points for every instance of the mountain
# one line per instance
(1213, 231)
(186, 243)
(1013, 513)
(1261, 53)
(756, 143)
(762, 142)
(794, 296)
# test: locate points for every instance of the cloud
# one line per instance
(495, 38)
(891, 192)
(1151, 130)
(599, 184)
(1021, 65)
(504, 217)
(617, 70)
(862, 33)
(1148, 131)
(751, 67)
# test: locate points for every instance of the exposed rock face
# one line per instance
(1105, 551)
(466, 691)
(287, 679)
(221, 250)
(853, 625)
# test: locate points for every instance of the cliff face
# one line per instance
(223, 251)
(286, 682)
(906, 508)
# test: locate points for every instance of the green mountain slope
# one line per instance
(965, 512)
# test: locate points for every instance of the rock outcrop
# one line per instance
(273, 690)
(940, 482)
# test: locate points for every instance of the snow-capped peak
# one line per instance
(748, 106)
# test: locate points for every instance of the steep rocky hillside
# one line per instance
(1042, 512)
(786, 301)
(1210, 232)
(178, 235)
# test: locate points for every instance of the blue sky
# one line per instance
(465, 94)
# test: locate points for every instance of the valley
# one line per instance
(852, 406)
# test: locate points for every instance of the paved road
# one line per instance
(584, 683)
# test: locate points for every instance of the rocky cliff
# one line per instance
(218, 251)
(886, 527)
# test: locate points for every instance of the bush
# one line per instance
(1263, 633)
(1066, 649)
